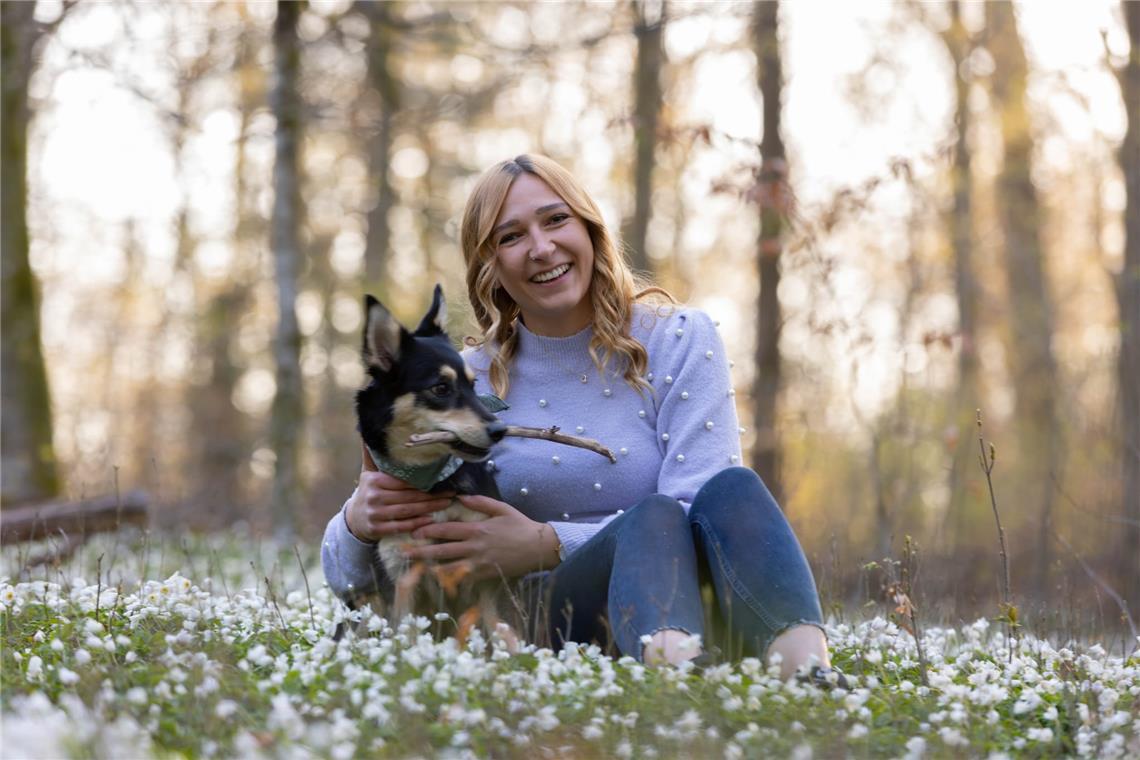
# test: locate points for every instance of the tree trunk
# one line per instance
(968, 400)
(648, 29)
(773, 198)
(387, 88)
(1034, 369)
(1128, 299)
(28, 457)
(288, 407)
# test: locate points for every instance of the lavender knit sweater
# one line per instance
(669, 441)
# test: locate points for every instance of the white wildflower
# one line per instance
(35, 668)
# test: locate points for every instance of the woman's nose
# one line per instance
(543, 245)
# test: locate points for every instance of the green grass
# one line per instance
(214, 647)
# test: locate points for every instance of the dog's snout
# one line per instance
(496, 430)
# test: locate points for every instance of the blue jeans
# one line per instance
(644, 571)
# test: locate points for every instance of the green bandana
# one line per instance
(421, 476)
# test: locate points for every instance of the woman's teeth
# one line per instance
(552, 274)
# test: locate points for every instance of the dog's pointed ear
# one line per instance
(382, 336)
(435, 321)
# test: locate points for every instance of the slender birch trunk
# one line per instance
(288, 408)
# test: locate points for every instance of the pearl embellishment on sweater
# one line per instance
(649, 377)
(607, 393)
(580, 429)
(641, 414)
(597, 486)
(555, 460)
(623, 450)
(664, 436)
(679, 332)
(680, 457)
(668, 379)
(565, 515)
(685, 395)
(542, 402)
(709, 425)
(523, 491)
(708, 354)
(734, 459)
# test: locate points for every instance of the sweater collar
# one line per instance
(543, 348)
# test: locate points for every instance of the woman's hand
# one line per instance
(383, 505)
(507, 544)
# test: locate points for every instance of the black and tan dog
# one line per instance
(418, 383)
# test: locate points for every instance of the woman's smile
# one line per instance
(551, 276)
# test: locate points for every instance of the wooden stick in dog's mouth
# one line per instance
(546, 434)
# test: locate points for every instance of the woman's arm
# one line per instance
(381, 505)
(698, 431)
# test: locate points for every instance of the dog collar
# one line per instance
(421, 476)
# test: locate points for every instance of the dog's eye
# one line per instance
(441, 389)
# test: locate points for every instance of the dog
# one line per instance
(418, 383)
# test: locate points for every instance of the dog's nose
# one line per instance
(496, 430)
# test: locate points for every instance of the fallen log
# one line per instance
(105, 513)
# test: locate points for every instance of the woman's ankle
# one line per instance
(800, 646)
(670, 646)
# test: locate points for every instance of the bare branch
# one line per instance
(546, 434)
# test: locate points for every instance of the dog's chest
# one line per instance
(391, 548)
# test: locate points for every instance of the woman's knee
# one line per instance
(656, 513)
(730, 491)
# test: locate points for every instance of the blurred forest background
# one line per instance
(899, 213)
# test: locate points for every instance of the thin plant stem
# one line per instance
(1009, 612)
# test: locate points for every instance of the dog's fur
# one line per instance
(418, 384)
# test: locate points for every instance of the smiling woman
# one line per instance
(628, 540)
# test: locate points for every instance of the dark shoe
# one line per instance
(824, 678)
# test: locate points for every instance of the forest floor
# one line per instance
(204, 647)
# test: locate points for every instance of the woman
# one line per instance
(569, 339)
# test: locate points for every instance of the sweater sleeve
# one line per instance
(573, 535)
(698, 431)
(351, 566)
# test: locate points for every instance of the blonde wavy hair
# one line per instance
(614, 288)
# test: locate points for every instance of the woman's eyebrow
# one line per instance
(537, 212)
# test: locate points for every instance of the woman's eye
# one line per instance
(441, 389)
(555, 219)
(508, 238)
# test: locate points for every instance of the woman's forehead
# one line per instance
(526, 194)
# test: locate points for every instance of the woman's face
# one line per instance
(545, 258)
